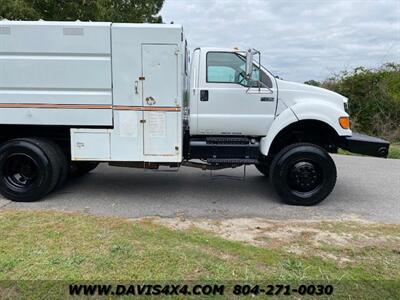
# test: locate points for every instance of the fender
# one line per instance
(305, 110)
(284, 119)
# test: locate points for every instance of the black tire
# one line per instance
(63, 163)
(29, 169)
(80, 168)
(303, 174)
(263, 169)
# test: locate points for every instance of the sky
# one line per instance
(299, 39)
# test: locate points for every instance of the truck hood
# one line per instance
(292, 93)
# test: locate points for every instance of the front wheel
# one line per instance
(263, 169)
(303, 174)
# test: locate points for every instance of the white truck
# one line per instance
(73, 94)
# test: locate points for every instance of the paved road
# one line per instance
(367, 187)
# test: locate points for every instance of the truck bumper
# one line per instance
(366, 145)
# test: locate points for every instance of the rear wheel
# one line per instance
(62, 162)
(303, 174)
(29, 169)
(80, 168)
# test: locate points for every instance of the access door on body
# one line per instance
(160, 98)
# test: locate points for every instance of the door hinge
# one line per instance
(142, 78)
(142, 121)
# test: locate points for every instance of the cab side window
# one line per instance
(227, 67)
(223, 67)
(261, 76)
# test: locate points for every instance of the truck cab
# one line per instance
(240, 113)
(225, 101)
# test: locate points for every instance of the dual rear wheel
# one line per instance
(31, 168)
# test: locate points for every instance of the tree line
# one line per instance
(122, 11)
(374, 98)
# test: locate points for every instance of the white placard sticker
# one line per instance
(128, 124)
(157, 124)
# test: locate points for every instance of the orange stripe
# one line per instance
(124, 107)
(57, 106)
(146, 108)
(88, 106)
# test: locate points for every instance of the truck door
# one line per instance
(226, 103)
(160, 96)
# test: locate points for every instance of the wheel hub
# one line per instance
(26, 171)
(20, 171)
(304, 176)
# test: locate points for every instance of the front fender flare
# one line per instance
(286, 118)
(308, 110)
(323, 111)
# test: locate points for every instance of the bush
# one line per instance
(374, 98)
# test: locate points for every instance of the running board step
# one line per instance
(224, 150)
(217, 140)
(232, 161)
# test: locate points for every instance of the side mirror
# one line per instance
(249, 63)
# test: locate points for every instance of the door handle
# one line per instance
(267, 99)
(136, 87)
(204, 95)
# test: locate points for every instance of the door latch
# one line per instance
(150, 100)
(136, 87)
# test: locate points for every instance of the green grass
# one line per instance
(74, 247)
(394, 151)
